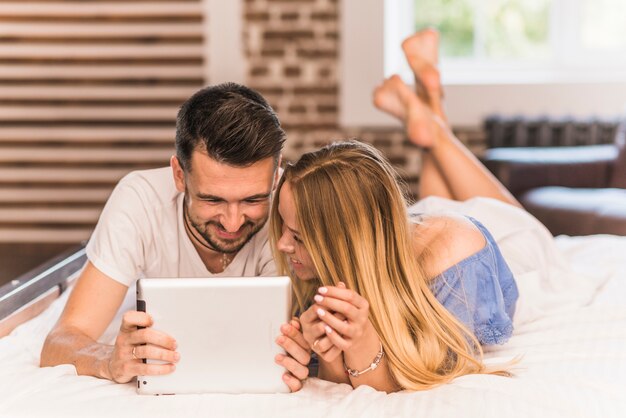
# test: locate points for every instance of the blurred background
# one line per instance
(89, 90)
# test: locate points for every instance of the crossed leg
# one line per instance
(449, 169)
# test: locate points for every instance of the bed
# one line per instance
(571, 335)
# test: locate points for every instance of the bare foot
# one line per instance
(422, 125)
(421, 52)
(386, 98)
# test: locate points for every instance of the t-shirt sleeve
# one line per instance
(480, 292)
(116, 246)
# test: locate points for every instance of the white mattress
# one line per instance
(572, 338)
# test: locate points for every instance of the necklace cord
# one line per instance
(225, 259)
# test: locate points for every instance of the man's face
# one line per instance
(225, 205)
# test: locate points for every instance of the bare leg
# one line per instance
(422, 53)
(446, 161)
(432, 182)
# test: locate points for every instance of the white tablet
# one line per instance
(225, 329)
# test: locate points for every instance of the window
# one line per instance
(521, 40)
(583, 45)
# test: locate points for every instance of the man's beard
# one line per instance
(248, 229)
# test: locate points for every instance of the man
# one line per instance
(205, 216)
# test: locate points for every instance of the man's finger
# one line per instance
(152, 336)
(133, 319)
(153, 352)
(292, 348)
(293, 383)
(295, 322)
(151, 369)
(296, 369)
(295, 334)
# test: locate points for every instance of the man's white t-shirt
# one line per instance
(141, 233)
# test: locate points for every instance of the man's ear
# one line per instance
(277, 173)
(179, 174)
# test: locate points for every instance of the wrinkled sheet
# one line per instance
(570, 331)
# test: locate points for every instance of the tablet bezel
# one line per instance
(225, 328)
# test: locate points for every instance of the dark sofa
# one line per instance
(578, 190)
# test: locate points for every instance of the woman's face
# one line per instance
(290, 242)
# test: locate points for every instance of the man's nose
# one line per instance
(232, 219)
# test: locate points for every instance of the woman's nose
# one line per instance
(285, 245)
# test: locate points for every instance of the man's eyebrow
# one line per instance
(208, 196)
(258, 196)
(213, 197)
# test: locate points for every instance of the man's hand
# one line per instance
(134, 344)
(298, 355)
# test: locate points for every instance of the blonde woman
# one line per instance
(390, 301)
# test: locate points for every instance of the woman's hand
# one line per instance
(315, 334)
(344, 317)
(298, 354)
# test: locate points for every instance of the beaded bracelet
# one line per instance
(373, 366)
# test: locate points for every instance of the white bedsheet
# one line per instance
(571, 334)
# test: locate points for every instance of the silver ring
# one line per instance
(134, 356)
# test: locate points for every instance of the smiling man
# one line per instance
(203, 216)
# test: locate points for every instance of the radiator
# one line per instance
(519, 131)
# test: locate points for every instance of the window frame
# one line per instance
(528, 88)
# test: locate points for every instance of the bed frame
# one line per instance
(31, 293)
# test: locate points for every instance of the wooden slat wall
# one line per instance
(89, 91)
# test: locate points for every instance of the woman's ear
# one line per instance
(178, 173)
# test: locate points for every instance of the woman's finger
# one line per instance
(343, 327)
(322, 345)
(336, 339)
(338, 306)
(345, 295)
(331, 354)
(308, 316)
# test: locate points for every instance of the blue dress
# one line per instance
(480, 291)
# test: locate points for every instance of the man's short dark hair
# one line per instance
(232, 123)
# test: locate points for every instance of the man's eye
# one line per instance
(255, 201)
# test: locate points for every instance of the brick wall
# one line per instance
(292, 47)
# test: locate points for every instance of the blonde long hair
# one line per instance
(353, 222)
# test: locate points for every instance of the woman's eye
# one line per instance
(296, 239)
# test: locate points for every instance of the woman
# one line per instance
(390, 302)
